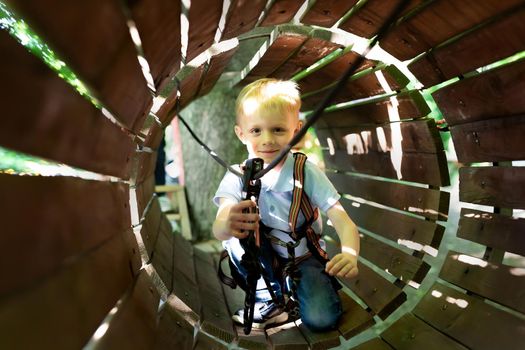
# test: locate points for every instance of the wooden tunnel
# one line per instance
(85, 262)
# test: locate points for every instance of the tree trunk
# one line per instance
(212, 118)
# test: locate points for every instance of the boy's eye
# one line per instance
(279, 130)
(255, 130)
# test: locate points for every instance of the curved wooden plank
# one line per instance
(162, 255)
(355, 319)
(95, 31)
(325, 13)
(501, 283)
(241, 17)
(490, 140)
(453, 313)
(151, 226)
(368, 19)
(427, 168)
(281, 11)
(492, 230)
(403, 229)
(490, 95)
(203, 18)
(69, 216)
(218, 62)
(439, 21)
(146, 161)
(73, 301)
(135, 322)
(410, 333)
(175, 331)
(497, 186)
(144, 192)
(373, 344)
(158, 23)
(475, 49)
(432, 204)
(45, 126)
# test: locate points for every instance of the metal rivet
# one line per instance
(444, 307)
(413, 336)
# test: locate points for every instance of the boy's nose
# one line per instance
(267, 137)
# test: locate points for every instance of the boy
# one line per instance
(267, 119)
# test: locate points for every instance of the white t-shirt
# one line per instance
(275, 199)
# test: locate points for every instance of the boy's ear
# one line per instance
(298, 127)
(238, 132)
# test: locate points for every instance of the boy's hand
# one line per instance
(342, 265)
(240, 223)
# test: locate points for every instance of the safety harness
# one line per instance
(300, 203)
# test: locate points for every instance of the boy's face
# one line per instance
(265, 133)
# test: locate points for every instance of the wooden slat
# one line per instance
(207, 342)
(154, 136)
(492, 230)
(454, 313)
(394, 261)
(320, 340)
(310, 52)
(397, 227)
(415, 136)
(40, 120)
(287, 337)
(410, 333)
(325, 13)
(381, 296)
(215, 318)
(497, 186)
(430, 203)
(427, 168)
(203, 17)
(162, 255)
(355, 88)
(367, 20)
(281, 11)
(490, 140)
(215, 68)
(151, 226)
(184, 279)
(145, 164)
(439, 21)
(490, 95)
(89, 32)
(49, 220)
(175, 330)
(476, 49)
(158, 23)
(408, 105)
(73, 301)
(354, 319)
(501, 283)
(135, 322)
(144, 192)
(373, 344)
(241, 17)
(189, 87)
(278, 51)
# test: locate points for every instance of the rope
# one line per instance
(320, 108)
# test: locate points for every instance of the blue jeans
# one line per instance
(319, 304)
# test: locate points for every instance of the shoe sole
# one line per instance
(282, 317)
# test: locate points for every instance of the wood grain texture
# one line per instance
(68, 217)
(492, 230)
(135, 322)
(203, 17)
(325, 13)
(174, 330)
(144, 192)
(410, 333)
(163, 252)
(241, 17)
(151, 226)
(493, 94)
(469, 320)
(437, 22)
(369, 18)
(216, 66)
(354, 319)
(158, 23)
(500, 283)
(72, 301)
(475, 49)
(373, 344)
(275, 55)
(400, 228)
(496, 186)
(490, 140)
(281, 11)
(184, 276)
(58, 123)
(94, 31)
(427, 168)
(310, 52)
(432, 204)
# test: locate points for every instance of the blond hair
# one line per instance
(269, 94)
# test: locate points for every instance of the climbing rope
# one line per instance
(319, 109)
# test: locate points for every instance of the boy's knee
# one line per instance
(321, 319)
